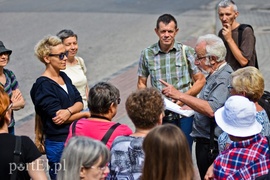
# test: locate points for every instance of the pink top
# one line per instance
(97, 129)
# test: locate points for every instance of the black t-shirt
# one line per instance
(7, 146)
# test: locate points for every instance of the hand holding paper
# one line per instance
(169, 105)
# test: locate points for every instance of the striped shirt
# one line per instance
(246, 160)
(11, 84)
(171, 67)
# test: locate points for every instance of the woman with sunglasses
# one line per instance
(84, 159)
(247, 82)
(30, 162)
(57, 101)
(10, 84)
(75, 68)
(103, 101)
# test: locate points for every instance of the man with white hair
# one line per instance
(248, 156)
(210, 59)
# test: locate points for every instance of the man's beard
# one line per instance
(205, 73)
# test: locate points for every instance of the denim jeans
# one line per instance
(54, 151)
(185, 124)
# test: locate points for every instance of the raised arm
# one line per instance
(227, 33)
(17, 100)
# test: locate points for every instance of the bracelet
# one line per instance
(69, 111)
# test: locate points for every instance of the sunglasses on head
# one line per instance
(61, 56)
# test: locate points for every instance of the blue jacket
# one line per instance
(49, 97)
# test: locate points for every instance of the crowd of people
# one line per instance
(218, 79)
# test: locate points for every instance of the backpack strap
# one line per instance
(186, 62)
(108, 134)
(241, 28)
(17, 154)
(81, 64)
(74, 128)
(184, 53)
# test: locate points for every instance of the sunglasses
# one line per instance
(230, 88)
(199, 58)
(61, 56)
(4, 53)
(119, 100)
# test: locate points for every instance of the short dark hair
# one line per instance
(166, 19)
(101, 96)
(66, 33)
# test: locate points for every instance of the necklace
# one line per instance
(100, 117)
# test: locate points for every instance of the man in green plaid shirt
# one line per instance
(169, 61)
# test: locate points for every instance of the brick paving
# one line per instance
(126, 79)
(255, 13)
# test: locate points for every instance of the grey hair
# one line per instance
(101, 96)
(227, 3)
(66, 33)
(214, 46)
(81, 151)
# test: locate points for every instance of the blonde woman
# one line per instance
(248, 82)
(57, 101)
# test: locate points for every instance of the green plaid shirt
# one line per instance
(170, 67)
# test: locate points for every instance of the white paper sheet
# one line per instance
(169, 105)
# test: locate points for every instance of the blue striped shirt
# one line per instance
(10, 85)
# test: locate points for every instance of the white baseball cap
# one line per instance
(238, 117)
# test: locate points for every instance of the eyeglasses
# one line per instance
(199, 58)
(99, 168)
(6, 110)
(118, 100)
(61, 56)
(230, 88)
